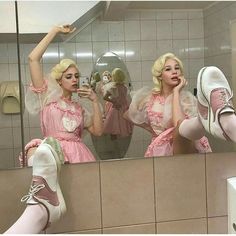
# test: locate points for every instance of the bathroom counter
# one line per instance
(181, 194)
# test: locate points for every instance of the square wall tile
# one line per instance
(164, 29)
(132, 30)
(81, 189)
(180, 187)
(196, 29)
(99, 31)
(6, 138)
(219, 167)
(180, 29)
(85, 34)
(164, 46)
(132, 50)
(193, 226)
(116, 31)
(4, 53)
(148, 50)
(132, 15)
(147, 15)
(7, 158)
(218, 225)
(132, 229)
(13, 185)
(127, 192)
(99, 48)
(134, 69)
(148, 30)
(52, 55)
(67, 50)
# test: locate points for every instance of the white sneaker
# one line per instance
(45, 188)
(214, 98)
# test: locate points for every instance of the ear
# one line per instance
(59, 81)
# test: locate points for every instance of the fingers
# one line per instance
(183, 81)
(86, 92)
(67, 28)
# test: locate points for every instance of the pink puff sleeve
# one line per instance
(188, 103)
(137, 108)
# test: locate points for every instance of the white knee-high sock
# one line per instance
(228, 122)
(30, 160)
(32, 221)
(191, 129)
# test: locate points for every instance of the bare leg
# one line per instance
(192, 129)
(228, 122)
(32, 221)
(182, 145)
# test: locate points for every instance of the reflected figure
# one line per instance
(113, 93)
(95, 79)
(160, 110)
(106, 86)
(117, 97)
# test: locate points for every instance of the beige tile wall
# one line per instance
(181, 194)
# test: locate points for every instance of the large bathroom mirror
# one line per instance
(137, 32)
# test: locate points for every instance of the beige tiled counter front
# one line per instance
(181, 194)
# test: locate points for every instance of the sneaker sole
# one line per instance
(206, 102)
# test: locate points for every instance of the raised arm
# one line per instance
(36, 55)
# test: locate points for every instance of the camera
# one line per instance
(83, 82)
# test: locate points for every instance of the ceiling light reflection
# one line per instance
(53, 54)
(83, 54)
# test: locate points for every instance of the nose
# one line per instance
(74, 78)
(174, 71)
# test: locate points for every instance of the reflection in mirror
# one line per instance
(111, 81)
(137, 44)
(11, 138)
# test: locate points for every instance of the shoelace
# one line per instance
(225, 98)
(33, 190)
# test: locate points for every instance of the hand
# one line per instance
(182, 83)
(87, 93)
(65, 29)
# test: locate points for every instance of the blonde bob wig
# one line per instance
(59, 69)
(158, 67)
(118, 76)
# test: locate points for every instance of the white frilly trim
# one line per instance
(36, 101)
(137, 110)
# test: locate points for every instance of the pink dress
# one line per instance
(155, 110)
(114, 122)
(63, 120)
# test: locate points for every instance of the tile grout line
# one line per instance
(154, 191)
(100, 188)
(206, 191)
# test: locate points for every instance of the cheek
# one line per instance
(65, 83)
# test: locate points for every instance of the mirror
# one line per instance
(138, 36)
(11, 136)
(111, 81)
